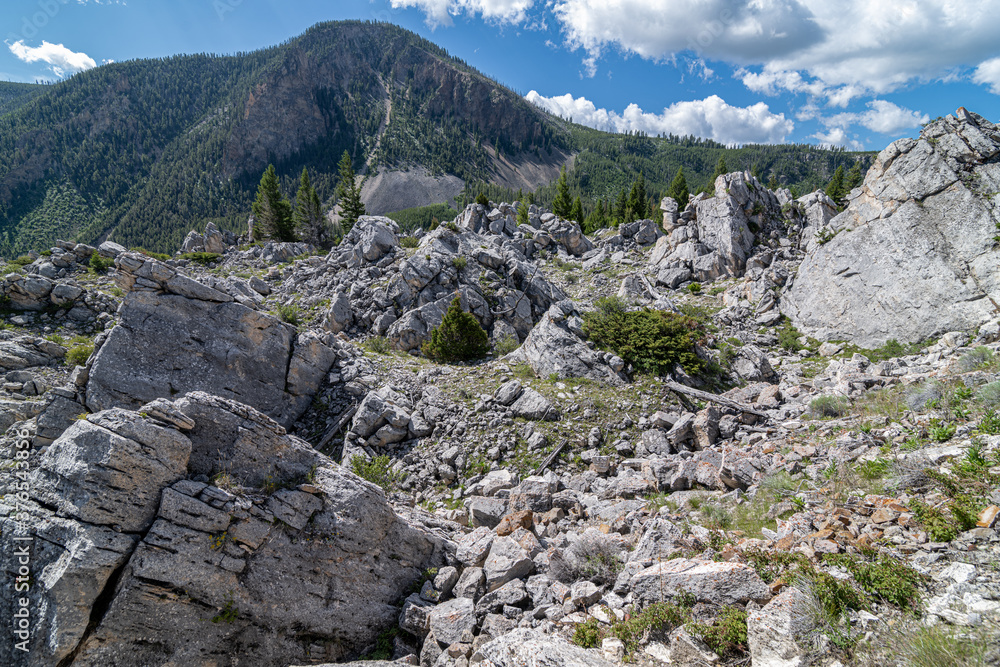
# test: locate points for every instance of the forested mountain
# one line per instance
(142, 151)
(14, 95)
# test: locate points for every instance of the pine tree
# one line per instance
(308, 215)
(576, 213)
(621, 207)
(272, 212)
(720, 169)
(349, 194)
(522, 214)
(835, 189)
(772, 183)
(854, 178)
(458, 338)
(598, 218)
(636, 206)
(679, 189)
(562, 205)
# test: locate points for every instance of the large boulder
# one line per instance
(126, 550)
(529, 648)
(726, 222)
(914, 254)
(177, 335)
(556, 347)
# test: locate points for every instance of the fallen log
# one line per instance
(714, 398)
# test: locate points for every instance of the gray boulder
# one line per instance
(914, 253)
(532, 405)
(177, 335)
(716, 583)
(529, 648)
(775, 631)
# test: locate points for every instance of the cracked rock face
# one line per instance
(136, 565)
(914, 256)
(178, 335)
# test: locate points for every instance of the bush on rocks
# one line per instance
(653, 341)
(458, 338)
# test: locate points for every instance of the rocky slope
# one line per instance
(256, 466)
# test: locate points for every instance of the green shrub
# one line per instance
(726, 635)
(23, 260)
(409, 242)
(694, 288)
(883, 577)
(653, 341)
(829, 406)
(989, 395)
(976, 358)
(657, 617)
(459, 337)
(587, 634)
(788, 337)
(99, 264)
(483, 200)
(78, 355)
(874, 469)
(378, 345)
(201, 257)
(505, 345)
(377, 471)
(289, 313)
(990, 423)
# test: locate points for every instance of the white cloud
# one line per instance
(846, 48)
(710, 118)
(882, 116)
(440, 12)
(988, 74)
(61, 60)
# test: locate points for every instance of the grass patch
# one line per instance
(201, 257)
(726, 635)
(829, 407)
(378, 471)
(377, 345)
(78, 355)
(162, 256)
(289, 313)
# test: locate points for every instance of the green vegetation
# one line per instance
(679, 189)
(289, 313)
(562, 205)
(308, 219)
(378, 344)
(829, 406)
(423, 217)
(409, 242)
(726, 635)
(459, 262)
(459, 337)
(99, 264)
(378, 471)
(78, 355)
(505, 345)
(651, 340)
(199, 257)
(349, 194)
(162, 256)
(227, 614)
(272, 211)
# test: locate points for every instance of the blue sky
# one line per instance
(851, 73)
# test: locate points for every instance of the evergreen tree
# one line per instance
(772, 183)
(621, 207)
(459, 337)
(835, 189)
(576, 213)
(598, 218)
(308, 215)
(679, 189)
(272, 212)
(637, 203)
(349, 194)
(720, 169)
(522, 214)
(562, 205)
(854, 178)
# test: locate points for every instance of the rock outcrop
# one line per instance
(178, 335)
(187, 569)
(914, 254)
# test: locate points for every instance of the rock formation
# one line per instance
(914, 254)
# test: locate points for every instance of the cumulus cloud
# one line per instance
(882, 116)
(440, 12)
(711, 118)
(988, 74)
(846, 48)
(60, 60)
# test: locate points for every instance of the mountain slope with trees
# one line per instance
(142, 151)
